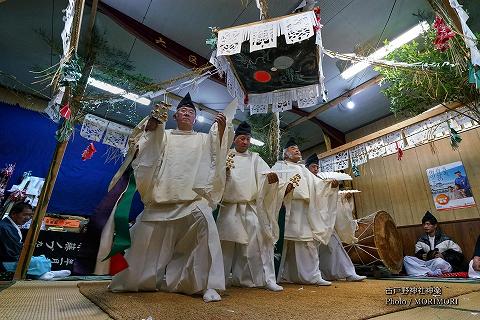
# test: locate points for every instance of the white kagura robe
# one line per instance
(345, 224)
(175, 246)
(308, 222)
(247, 221)
(334, 260)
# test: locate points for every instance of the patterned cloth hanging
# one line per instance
(266, 62)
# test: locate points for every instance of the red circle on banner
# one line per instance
(262, 76)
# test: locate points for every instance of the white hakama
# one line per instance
(181, 255)
(174, 243)
(420, 268)
(308, 222)
(245, 214)
(334, 260)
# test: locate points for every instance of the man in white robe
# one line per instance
(251, 194)
(334, 261)
(174, 243)
(308, 219)
(435, 252)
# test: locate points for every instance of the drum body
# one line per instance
(378, 242)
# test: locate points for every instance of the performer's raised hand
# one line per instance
(158, 115)
(152, 124)
(334, 183)
(272, 177)
(289, 189)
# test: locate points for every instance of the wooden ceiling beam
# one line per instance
(156, 40)
(337, 136)
(336, 101)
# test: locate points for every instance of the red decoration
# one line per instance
(316, 10)
(399, 151)
(262, 76)
(88, 152)
(461, 274)
(65, 111)
(117, 264)
(444, 33)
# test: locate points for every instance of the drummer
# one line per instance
(435, 252)
(335, 263)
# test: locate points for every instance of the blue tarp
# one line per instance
(27, 138)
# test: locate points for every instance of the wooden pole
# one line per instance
(41, 209)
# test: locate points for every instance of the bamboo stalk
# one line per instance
(40, 210)
(32, 235)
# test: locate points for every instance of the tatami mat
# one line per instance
(341, 301)
(32, 300)
(52, 300)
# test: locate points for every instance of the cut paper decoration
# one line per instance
(93, 127)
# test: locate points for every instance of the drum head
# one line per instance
(388, 241)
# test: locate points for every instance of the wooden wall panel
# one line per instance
(402, 189)
(470, 155)
(364, 200)
(426, 159)
(416, 192)
(381, 195)
(394, 181)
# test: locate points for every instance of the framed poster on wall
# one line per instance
(450, 187)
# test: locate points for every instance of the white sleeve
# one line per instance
(210, 179)
(269, 200)
(150, 148)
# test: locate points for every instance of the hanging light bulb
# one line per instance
(350, 104)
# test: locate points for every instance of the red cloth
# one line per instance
(65, 111)
(462, 274)
(88, 152)
(443, 34)
(117, 264)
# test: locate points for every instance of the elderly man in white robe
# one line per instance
(251, 195)
(335, 263)
(174, 243)
(308, 219)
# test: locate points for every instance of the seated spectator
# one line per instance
(11, 246)
(435, 252)
(474, 265)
